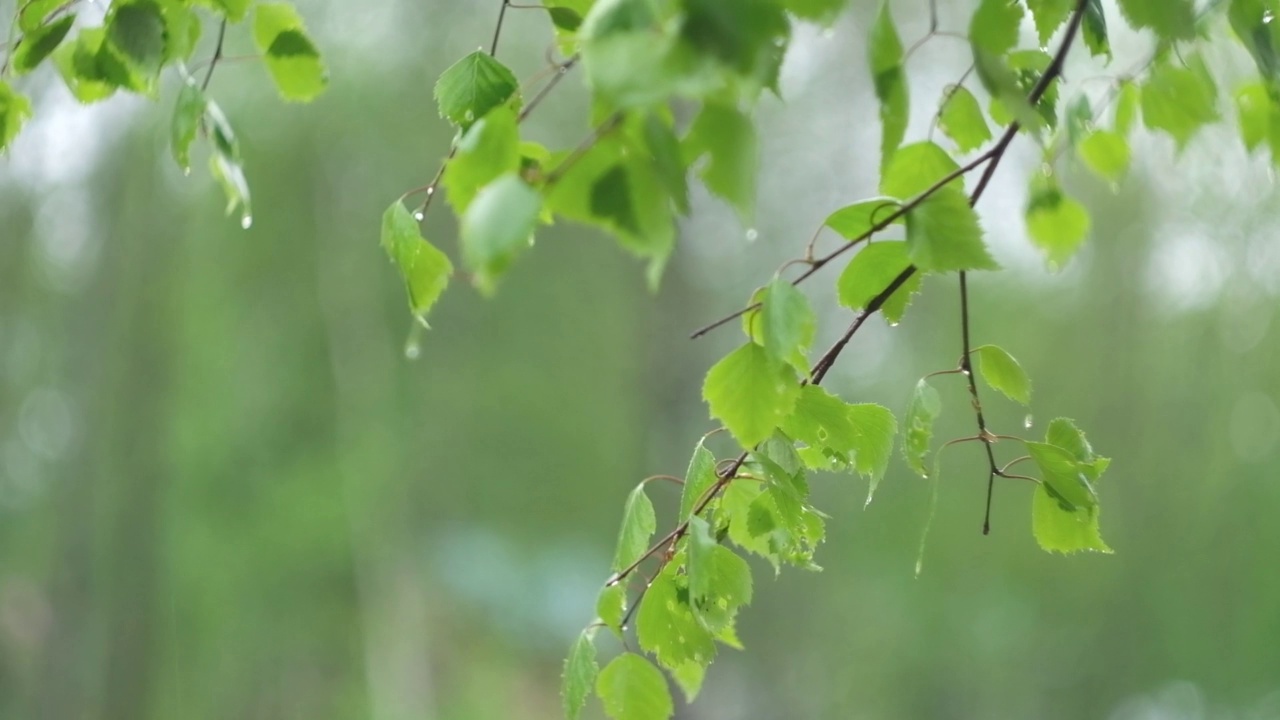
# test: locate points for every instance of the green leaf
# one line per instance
(890, 80)
(1170, 19)
(854, 221)
(631, 688)
(473, 86)
(566, 19)
(1128, 105)
(1061, 528)
(664, 149)
(1253, 113)
(1178, 101)
(820, 11)
(83, 66)
(873, 447)
(497, 225)
(486, 151)
(728, 138)
(1106, 153)
(291, 56)
(1063, 474)
(611, 605)
(638, 524)
(943, 234)
(32, 14)
(994, 27)
(1058, 224)
(1252, 22)
(580, 671)
(1010, 81)
(425, 269)
(1096, 36)
(743, 35)
(689, 677)
(787, 324)
(1049, 16)
(916, 168)
(667, 626)
(1003, 373)
(924, 409)
(962, 120)
(750, 393)
(871, 271)
(37, 44)
(719, 580)
(186, 121)
(136, 32)
(1063, 433)
(698, 480)
(859, 437)
(15, 109)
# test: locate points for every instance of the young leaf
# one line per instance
(1170, 19)
(1003, 373)
(698, 480)
(638, 525)
(32, 14)
(486, 151)
(728, 138)
(1095, 30)
(1106, 153)
(750, 393)
(719, 580)
(856, 220)
(664, 148)
(1128, 105)
(943, 234)
(580, 671)
(14, 111)
(291, 56)
(666, 625)
(186, 121)
(425, 269)
(83, 65)
(1063, 474)
(496, 226)
(890, 79)
(873, 445)
(743, 37)
(1254, 109)
(1049, 16)
(473, 86)
(1063, 433)
(611, 605)
(787, 324)
(631, 688)
(136, 32)
(917, 167)
(1062, 528)
(994, 27)
(871, 271)
(962, 119)
(1058, 224)
(924, 409)
(37, 44)
(229, 174)
(1179, 101)
(566, 19)
(689, 677)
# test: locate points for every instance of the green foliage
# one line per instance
(943, 234)
(787, 324)
(15, 109)
(890, 79)
(631, 688)
(638, 524)
(751, 393)
(291, 56)
(1003, 373)
(473, 86)
(1106, 153)
(425, 269)
(698, 480)
(39, 43)
(962, 120)
(1057, 224)
(497, 225)
(925, 407)
(580, 671)
(1179, 100)
(871, 271)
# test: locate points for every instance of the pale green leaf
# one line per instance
(787, 324)
(638, 524)
(1059, 527)
(1049, 16)
(689, 677)
(426, 270)
(473, 86)
(750, 393)
(719, 580)
(1057, 224)
(698, 480)
(875, 427)
(1128, 106)
(290, 55)
(916, 168)
(728, 139)
(1254, 112)
(667, 626)
(890, 80)
(962, 120)
(1106, 153)
(1003, 373)
(854, 221)
(1063, 474)
(497, 225)
(871, 272)
(15, 109)
(924, 409)
(186, 121)
(486, 151)
(943, 234)
(580, 672)
(1179, 101)
(37, 44)
(1170, 19)
(994, 27)
(631, 688)
(611, 605)
(32, 14)
(664, 148)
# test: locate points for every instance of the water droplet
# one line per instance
(431, 190)
(1027, 423)
(680, 638)
(1267, 17)
(246, 222)
(893, 323)
(822, 434)
(469, 115)
(418, 216)
(413, 351)
(752, 234)
(186, 171)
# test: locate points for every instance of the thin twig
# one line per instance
(561, 70)
(217, 55)
(584, 147)
(497, 30)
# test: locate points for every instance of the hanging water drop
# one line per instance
(752, 234)
(246, 221)
(412, 351)
(1028, 422)
(431, 190)
(1267, 17)
(186, 171)
(418, 215)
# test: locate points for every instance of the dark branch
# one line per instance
(217, 55)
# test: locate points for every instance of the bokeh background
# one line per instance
(226, 492)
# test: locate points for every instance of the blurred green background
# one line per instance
(225, 492)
